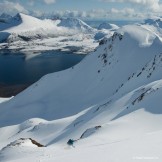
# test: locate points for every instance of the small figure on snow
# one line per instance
(71, 142)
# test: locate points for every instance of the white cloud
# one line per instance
(12, 8)
(69, 13)
(113, 13)
(125, 11)
(153, 5)
(49, 1)
(133, 9)
(141, 2)
(149, 8)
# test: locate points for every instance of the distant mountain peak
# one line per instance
(75, 23)
(155, 21)
(106, 25)
(18, 17)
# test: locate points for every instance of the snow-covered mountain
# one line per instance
(155, 21)
(105, 30)
(110, 103)
(106, 25)
(26, 27)
(74, 23)
(154, 24)
(104, 33)
(27, 33)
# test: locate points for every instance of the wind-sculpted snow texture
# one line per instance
(109, 104)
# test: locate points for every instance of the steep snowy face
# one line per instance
(109, 26)
(74, 23)
(121, 64)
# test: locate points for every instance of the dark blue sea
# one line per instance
(18, 68)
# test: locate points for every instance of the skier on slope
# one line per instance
(71, 142)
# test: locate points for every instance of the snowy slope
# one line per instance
(110, 103)
(137, 130)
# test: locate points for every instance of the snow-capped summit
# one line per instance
(20, 22)
(25, 26)
(74, 23)
(29, 23)
(18, 17)
(105, 30)
(106, 25)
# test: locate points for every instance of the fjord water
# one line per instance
(25, 69)
(19, 68)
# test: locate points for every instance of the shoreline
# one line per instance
(12, 90)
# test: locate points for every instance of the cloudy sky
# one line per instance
(86, 9)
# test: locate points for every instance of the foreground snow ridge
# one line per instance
(109, 104)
